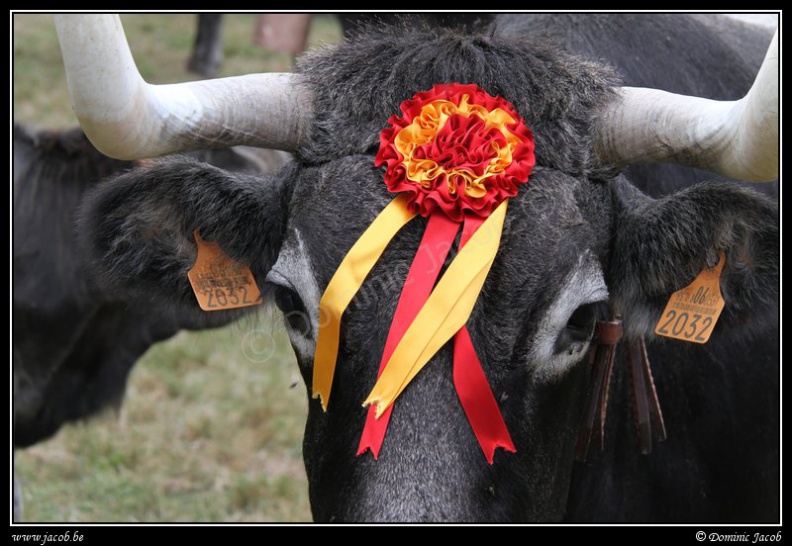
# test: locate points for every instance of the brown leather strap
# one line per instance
(646, 407)
(640, 403)
(593, 425)
(655, 413)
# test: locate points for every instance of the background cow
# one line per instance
(288, 33)
(578, 235)
(74, 343)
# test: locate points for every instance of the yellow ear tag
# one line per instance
(219, 282)
(691, 313)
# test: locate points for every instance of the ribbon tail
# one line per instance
(424, 270)
(374, 431)
(345, 283)
(471, 383)
(477, 399)
(444, 314)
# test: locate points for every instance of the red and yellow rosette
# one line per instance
(455, 156)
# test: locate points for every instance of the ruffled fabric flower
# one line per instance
(456, 149)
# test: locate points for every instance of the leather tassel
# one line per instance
(647, 414)
(593, 425)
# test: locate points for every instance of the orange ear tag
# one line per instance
(691, 313)
(219, 282)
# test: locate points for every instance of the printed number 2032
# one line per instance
(682, 324)
(221, 297)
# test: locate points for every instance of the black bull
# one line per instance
(578, 235)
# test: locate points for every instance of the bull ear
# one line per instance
(137, 227)
(661, 245)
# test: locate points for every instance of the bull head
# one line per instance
(577, 237)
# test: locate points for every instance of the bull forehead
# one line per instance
(555, 233)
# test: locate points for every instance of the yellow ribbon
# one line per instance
(345, 283)
(444, 313)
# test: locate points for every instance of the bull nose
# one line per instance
(430, 468)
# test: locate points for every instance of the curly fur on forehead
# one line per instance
(358, 85)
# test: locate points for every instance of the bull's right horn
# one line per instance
(738, 139)
(127, 118)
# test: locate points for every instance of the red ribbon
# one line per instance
(470, 382)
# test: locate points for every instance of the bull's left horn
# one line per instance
(127, 118)
(738, 139)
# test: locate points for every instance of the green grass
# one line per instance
(211, 426)
(209, 431)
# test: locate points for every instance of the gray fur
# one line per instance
(661, 246)
(575, 221)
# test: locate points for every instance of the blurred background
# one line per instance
(212, 422)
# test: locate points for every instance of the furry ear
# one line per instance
(137, 227)
(661, 245)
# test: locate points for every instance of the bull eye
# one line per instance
(577, 333)
(292, 307)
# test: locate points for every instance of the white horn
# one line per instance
(738, 139)
(127, 118)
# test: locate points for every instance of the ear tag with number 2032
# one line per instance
(691, 313)
(219, 282)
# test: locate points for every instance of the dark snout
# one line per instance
(430, 467)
